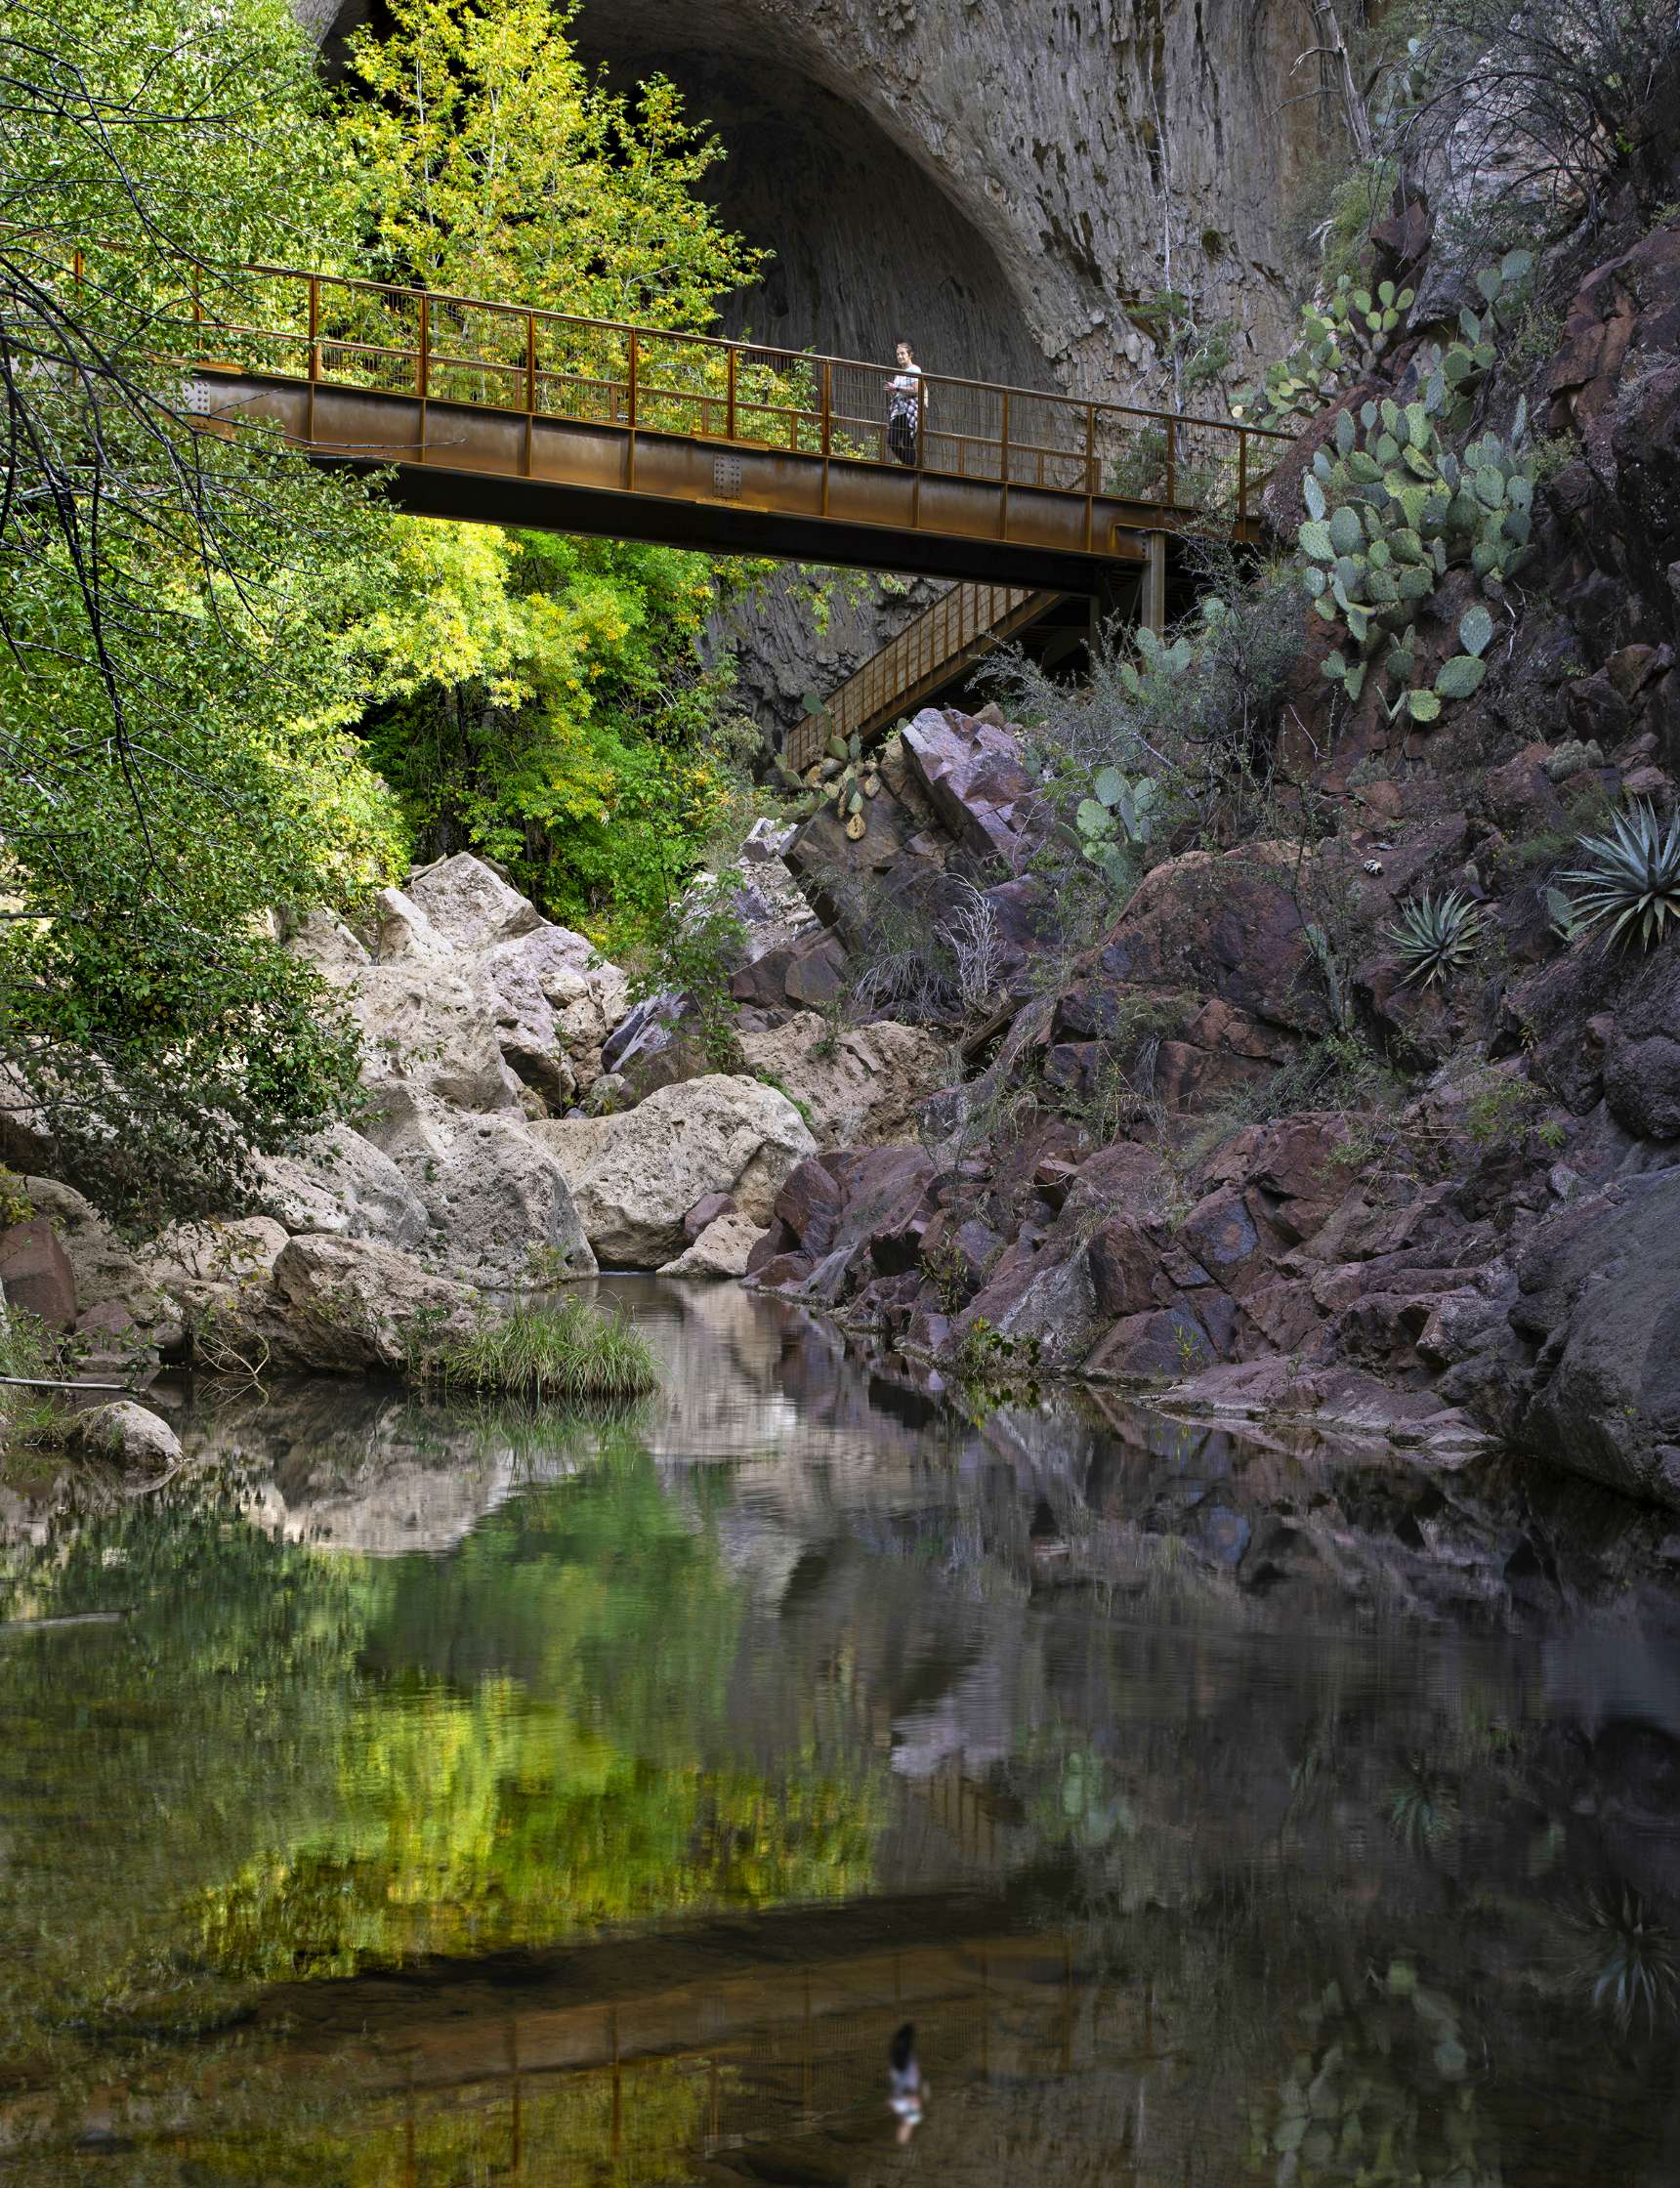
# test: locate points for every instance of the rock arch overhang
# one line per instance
(1007, 179)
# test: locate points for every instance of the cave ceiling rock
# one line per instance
(998, 178)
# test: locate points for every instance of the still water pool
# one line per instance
(413, 1797)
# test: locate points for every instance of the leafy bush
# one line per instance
(693, 950)
(1338, 340)
(1116, 821)
(1436, 936)
(28, 1418)
(1628, 1965)
(1531, 109)
(1387, 518)
(1630, 877)
(571, 1352)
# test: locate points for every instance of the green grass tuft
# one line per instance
(568, 1352)
(33, 1419)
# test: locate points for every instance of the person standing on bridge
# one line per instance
(905, 402)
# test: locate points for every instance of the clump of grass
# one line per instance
(569, 1352)
(28, 1418)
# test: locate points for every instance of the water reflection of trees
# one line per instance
(1390, 1903)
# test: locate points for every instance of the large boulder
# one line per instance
(715, 1134)
(344, 1185)
(497, 1202)
(1599, 1297)
(345, 1305)
(1226, 925)
(553, 1002)
(427, 1028)
(211, 1274)
(103, 1266)
(859, 1088)
(35, 1273)
(469, 903)
(468, 993)
(973, 775)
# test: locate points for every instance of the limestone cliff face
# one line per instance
(1003, 180)
(1004, 177)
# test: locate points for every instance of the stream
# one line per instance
(416, 1794)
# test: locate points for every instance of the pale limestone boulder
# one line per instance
(497, 1204)
(517, 980)
(404, 929)
(127, 1433)
(425, 1029)
(867, 1092)
(104, 1267)
(343, 1185)
(322, 940)
(588, 1004)
(720, 1251)
(469, 903)
(209, 1282)
(716, 1134)
(346, 1305)
(574, 1142)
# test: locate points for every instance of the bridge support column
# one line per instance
(1154, 602)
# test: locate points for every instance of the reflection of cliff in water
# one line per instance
(615, 1783)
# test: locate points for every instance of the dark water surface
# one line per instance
(446, 1798)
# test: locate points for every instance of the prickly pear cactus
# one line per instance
(1388, 515)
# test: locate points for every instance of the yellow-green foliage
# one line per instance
(543, 696)
(490, 162)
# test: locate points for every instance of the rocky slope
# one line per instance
(1138, 1184)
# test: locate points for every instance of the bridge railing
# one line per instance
(346, 332)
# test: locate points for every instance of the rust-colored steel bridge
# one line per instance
(501, 413)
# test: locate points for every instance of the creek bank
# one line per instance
(488, 1157)
(1154, 1170)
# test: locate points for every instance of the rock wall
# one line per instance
(1004, 179)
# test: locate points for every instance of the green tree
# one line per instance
(172, 763)
(493, 165)
(541, 700)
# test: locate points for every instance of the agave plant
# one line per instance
(1436, 935)
(1630, 876)
(1628, 1965)
(1422, 1809)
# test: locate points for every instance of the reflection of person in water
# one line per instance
(904, 396)
(906, 2089)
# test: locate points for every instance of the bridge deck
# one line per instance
(501, 413)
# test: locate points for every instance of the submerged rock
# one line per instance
(127, 1433)
(722, 1249)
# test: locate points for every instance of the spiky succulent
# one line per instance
(1435, 936)
(1628, 1964)
(1630, 876)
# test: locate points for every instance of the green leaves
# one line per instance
(1347, 532)
(1460, 677)
(1119, 817)
(1630, 877)
(1395, 509)
(1436, 936)
(1476, 631)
